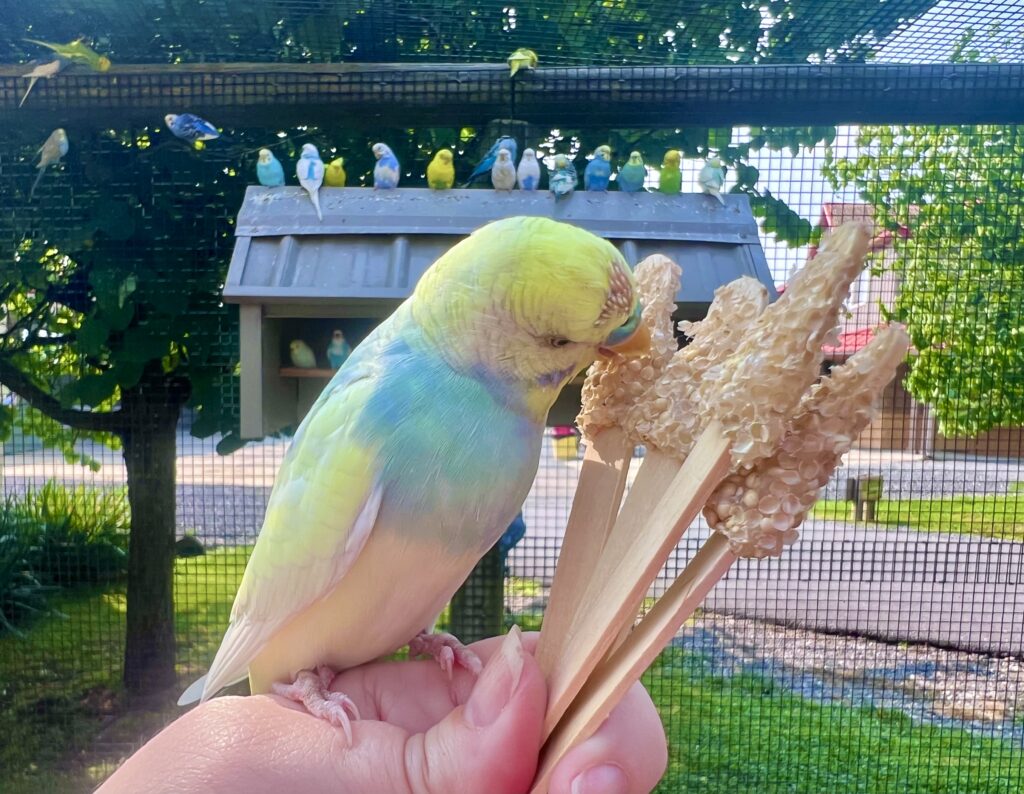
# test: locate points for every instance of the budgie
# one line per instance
(522, 58)
(417, 456)
(670, 178)
(387, 172)
(484, 166)
(633, 174)
(269, 170)
(43, 71)
(562, 179)
(301, 354)
(503, 172)
(78, 52)
(441, 171)
(334, 174)
(528, 173)
(55, 147)
(712, 178)
(598, 170)
(338, 350)
(310, 170)
(191, 128)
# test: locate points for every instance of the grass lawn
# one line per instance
(990, 516)
(744, 734)
(738, 734)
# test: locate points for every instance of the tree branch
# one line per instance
(19, 383)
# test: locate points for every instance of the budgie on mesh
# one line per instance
(417, 456)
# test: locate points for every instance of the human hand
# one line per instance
(419, 734)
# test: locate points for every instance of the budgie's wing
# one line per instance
(321, 511)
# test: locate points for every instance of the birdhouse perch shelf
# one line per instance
(295, 277)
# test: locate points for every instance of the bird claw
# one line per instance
(311, 688)
(447, 651)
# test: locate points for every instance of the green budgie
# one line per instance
(670, 178)
(417, 456)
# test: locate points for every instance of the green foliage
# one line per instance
(58, 537)
(21, 593)
(577, 32)
(958, 190)
(986, 516)
(79, 534)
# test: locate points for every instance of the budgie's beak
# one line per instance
(631, 339)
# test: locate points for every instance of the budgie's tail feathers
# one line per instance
(718, 196)
(193, 693)
(239, 647)
(314, 196)
(35, 184)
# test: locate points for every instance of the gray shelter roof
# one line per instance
(373, 245)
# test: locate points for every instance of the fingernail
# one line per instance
(497, 682)
(604, 779)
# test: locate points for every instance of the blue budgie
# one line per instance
(528, 173)
(712, 178)
(417, 456)
(598, 170)
(191, 128)
(310, 170)
(562, 179)
(633, 174)
(338, 350)
(269, 170)
(483, 168)
(387, 171)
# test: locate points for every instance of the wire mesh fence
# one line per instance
(882, 653)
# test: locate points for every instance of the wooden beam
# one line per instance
(377, 94)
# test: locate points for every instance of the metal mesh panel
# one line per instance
(878, 655)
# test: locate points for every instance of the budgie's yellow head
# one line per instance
(103, 63)
(671, 158)
(444, 156)
(527, 303)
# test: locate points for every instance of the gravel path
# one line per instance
(981, 694)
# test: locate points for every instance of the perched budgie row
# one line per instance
(499, 165)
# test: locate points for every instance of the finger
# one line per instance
(252, 745)
(414, 695)
(491, 743)
(627, 755)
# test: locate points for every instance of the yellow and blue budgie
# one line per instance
(417, 455)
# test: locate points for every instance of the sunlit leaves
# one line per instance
(958, 191)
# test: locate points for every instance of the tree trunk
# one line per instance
(478, 608)
(149, 456)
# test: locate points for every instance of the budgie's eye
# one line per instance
(558, 341)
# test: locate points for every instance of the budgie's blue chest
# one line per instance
(456, 462)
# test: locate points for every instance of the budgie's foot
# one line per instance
(447, 650)
(312, 688)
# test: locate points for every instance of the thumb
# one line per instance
(491, 743)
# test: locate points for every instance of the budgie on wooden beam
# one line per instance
(418, 454)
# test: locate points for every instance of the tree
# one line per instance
(958, 190)
(111, 289)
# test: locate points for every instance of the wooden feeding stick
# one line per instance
(729, 414)
(611, 387)
(763, 508)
